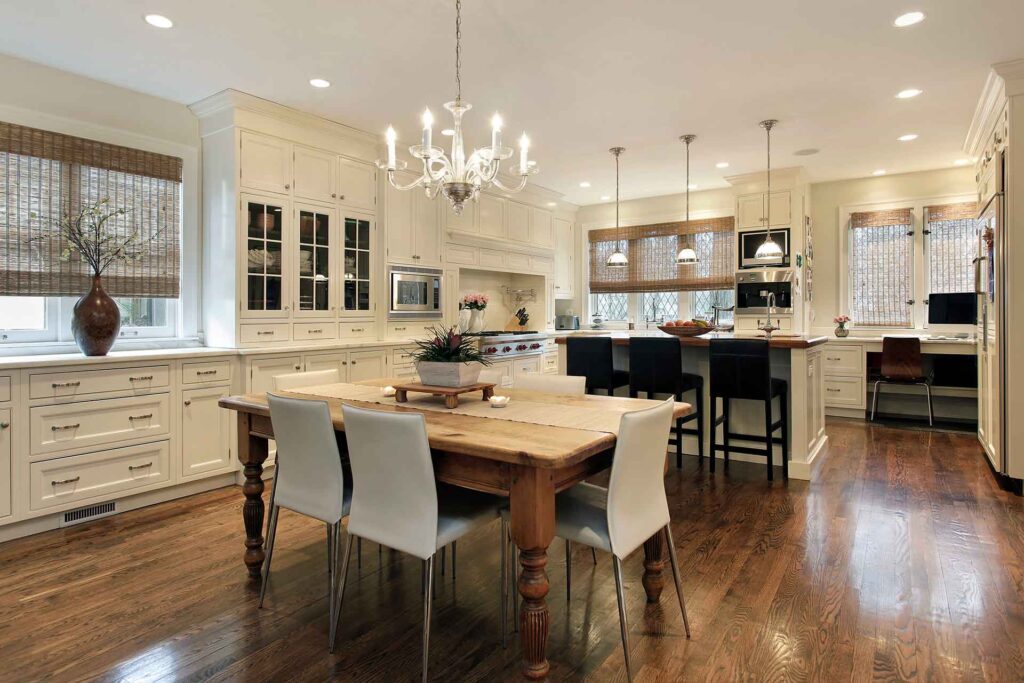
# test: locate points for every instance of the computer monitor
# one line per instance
(960, 308)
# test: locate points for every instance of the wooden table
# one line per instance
(530, 463)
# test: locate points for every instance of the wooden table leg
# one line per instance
(252, 453)
(654, 564)
(532, 503)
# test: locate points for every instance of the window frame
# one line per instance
(919, 262)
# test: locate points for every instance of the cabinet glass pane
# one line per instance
(350, 233)
(314, 261)
(273, 294)
(350, 295)
(364, 234)
(263, 258)
(356, 265)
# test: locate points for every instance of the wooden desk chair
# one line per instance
(902, 363)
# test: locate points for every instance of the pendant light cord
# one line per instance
(768, 125)
(458, 51)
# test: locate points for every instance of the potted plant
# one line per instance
(476, 303)
(448, 359)
(841, 322)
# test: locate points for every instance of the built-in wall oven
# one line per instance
(752, 239)
(753, 288)
(415, 292)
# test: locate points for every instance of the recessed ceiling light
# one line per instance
(908, 137)
(722, 164)
(961, 162)
(552, 203)
(908, 19)
(319, 83)
(584, 184)
(448, 131)
(158, 20)
(692, 186)
(809, 151)
(880, 171)
(908, 93)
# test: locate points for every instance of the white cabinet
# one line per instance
(467, 221)
(531, 365)
(205, 432)
(504, 368)
(565, 248)
(492, 216)
(6, 430)
(266, 232)
(359, 240)
(263, 370)
(752, 211)
(413, 226)
(363, 365)
(316, 262)
(357, 184)
(518, 222)
(265, 163)
(541, 230)
(314, 174)
(327, 361)
(427, 230)
(780, 209)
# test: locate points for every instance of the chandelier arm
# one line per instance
(496, 181)
(402, 188)
(441, 173)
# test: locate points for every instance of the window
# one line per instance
(881, 268)
(952, 244)
(659, 306)
(702, 303)
(613, 307)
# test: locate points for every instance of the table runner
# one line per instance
(555, 411)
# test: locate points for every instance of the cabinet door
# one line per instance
(363, 365)
(328, 361)
(518, 222)
(426, 230)
(492, 216)
(357, 264)
(400, 221)
(316, 261)
(780, 206)
(5, 461)
(263, 370)
(540, 228)
(467, 221)
(314, 174)
(505, 368)
(205, 432)
(265, 163)
(564, 252)
(265, 281)
(750, 211)
(357, 184)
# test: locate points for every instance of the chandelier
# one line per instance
(618, 257)
(768, 250)
(457, 177)
(687, 255)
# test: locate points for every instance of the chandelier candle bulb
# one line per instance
(495, 135)
(391, 148)
(428, 130)
(524, 146)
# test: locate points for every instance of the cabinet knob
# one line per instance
(342, 197)
(188, 403)
(334, 195)
(4, 425)
(353, 362)
(344, 362)
(287, 187)
(298, 367)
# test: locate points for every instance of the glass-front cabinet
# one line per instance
(357, 264)
(265, 285)
(315, 252)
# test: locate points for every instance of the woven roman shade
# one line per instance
(881, 219)
(951, 212)
(952, 234)
(652, 250)
(45, 175)
(881, 268)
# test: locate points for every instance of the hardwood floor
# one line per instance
(902, 560)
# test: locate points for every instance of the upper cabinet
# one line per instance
(357, 270)
(413, 228)
(565, 271)
(265, 163)
(314, 174)
(264, 283)
(752, 211)
(541, 231)
(317, 261)
(467, 221)
(492, 216)
(357, 184)
(518, 222)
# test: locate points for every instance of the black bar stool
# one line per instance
(656, 367)
(591, 357)
(741, 369)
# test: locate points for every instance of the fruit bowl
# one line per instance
(684, 330)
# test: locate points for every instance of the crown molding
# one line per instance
(990, 103)
(1012, 72)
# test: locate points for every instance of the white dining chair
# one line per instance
(311, 482)
(565, 385)
(396, 501)
(297, 380)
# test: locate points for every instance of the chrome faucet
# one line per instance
(717, 312)
(768, 328)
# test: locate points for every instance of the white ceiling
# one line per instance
(578, 75)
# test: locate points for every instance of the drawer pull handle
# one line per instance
(132, 468)
(64, 385)
(206, 372)
(140, 378)
(357, 329)
(64, 428)
(262, 332)
(140, 417)
(833, 391)
(58, 482)
(316, 331)
(831, 358)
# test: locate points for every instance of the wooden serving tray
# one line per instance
(451, 394)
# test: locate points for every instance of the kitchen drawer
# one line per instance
(551, 363)
(5, 388)
(531, 365)
(402, 357)
(491, 258)
(267, 332)
(94, 475)
(456, 253)
(356, 330)
(213, 371)
(543, 264)
(79, 383)
(844, 392)
(551, 344)
(305, 331)
(844, 359)
(411, 329)
(518, 261)
(94, 423)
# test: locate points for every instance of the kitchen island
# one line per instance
(798, 359)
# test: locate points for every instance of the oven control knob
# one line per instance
(535, 346)
(521, 347)
(507, 349)
(491, 349)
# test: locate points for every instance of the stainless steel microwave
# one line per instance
(752, 239)
(415, 292)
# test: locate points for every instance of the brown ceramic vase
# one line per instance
(96, 320)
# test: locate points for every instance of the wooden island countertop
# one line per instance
(778, 341)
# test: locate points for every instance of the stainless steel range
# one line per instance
(497, 344)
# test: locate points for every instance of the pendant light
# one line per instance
(769, 250)
(687, 255)
(618, 258)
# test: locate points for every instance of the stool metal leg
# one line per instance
(623, 625)
(783, 407)
(768, 438)
(725, 429)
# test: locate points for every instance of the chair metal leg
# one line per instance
(593, 554)
(623, 625)
(875, 398)
(931, 416)
(332, 554)
(359, 553)
(454, 548)
(503, 590)
(340, 590)
(427, 600)
(675, 575)
(330, 548)
(271, 535)
(768, 438)
(444, 551)
(568, 569)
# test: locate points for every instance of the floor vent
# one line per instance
(88, 514)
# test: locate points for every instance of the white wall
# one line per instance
(41, 97)
(826, 200)
(672, 207)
